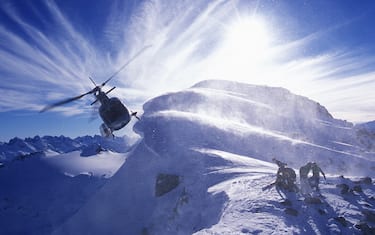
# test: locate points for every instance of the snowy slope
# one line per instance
(41, 191)
(217, 138)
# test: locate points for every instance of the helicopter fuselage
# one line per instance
(112, 111)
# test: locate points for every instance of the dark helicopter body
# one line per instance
(113, 112)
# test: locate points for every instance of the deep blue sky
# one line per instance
(320, 49)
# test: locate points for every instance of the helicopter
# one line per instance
(113, 112)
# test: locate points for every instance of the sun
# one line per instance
(248, 35)
(245, 51)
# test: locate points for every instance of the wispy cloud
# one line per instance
(191, 42)
(44, 64)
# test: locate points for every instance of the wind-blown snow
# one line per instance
(250, 119)
(219, 138)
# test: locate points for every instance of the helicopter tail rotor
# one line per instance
(134, 114)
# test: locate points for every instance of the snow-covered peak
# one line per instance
(281, 99)
(258, 121)
(368, 126)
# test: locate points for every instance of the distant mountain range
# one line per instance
(369, 126)
(88, 145)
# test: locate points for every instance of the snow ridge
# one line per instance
(248, 119)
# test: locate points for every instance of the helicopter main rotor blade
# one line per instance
(110, 90)
(126, 64)
(92, 81)
(48, 107)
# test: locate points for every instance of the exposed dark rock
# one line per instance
(322, 212)
(291, 211)
(357, 188)
(342, 221)
(91, 150)
(367, 205)
(286, 202)
(366, 180)
(166, 183)
(245, 230)
(30, 155)
(344, 188)
(313, 200)
(369, 215)
(365, 228)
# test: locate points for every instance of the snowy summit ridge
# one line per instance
(208, 150)
(258, 121)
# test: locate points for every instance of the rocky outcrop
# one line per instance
(165, 183)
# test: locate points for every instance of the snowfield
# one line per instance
(39, 193)
(201, 166)
(102, 165)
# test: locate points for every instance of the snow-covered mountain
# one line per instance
(364, 131)
(45, 180)
(369, 126)
(18, 148)
(205, 156)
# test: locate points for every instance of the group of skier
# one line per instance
(312, 182)
(286, 177)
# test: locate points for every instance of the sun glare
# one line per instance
(245, 52)
(249, 36)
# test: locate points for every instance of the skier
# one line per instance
(303, 174)
(285, 177)
(314, 179)
(279, 163)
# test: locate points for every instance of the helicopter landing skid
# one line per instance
(105, 131)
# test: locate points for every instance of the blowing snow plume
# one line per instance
(258, 121)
